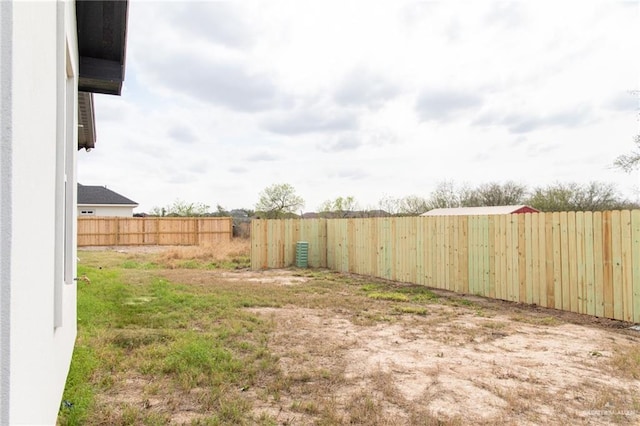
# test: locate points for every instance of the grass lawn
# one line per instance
(190, 336)
(195, 343)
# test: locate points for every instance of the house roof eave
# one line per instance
(86, 121)
(107, 205)
(102, 45)
(102, 41)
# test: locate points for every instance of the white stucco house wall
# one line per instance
(101, 201)
(53, 57)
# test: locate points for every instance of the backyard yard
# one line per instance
(192, 336)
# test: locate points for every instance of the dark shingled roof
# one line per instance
(101, 195)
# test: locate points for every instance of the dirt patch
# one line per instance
(452, 364)
(279, 277)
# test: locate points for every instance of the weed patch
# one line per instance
(627, 362)
(197, 360)
(548, 320)
(393, 296)
(415, 310)
(136, 338)
(372, 287)
(132, 264)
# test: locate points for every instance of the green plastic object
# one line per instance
(302, 254)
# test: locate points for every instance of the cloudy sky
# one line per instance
(366, 98)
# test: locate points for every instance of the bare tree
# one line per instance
(629, 162)
(389, 204)
(340, 207)
(594, 196)
(412, 205)
(181, 208)
(496, 194)
(444, 196)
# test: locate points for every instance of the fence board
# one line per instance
(522, 259)
(573, 262)
(457, 263)
(438, 260)
(482, 258)
(492, 255)
(448, 280)
(515, 259)
(420, 252)
(485, 256)
(510, 282)
(472, 254)
(550, 252)
(535, 259)
(589, 274)
(479, 255)
(463, 237)
(627, 266)
(565, 284)
(413, 249)
(557, 261)
(529, 256)
(607, 254)
(598, 263)
(431, 249)
(504, 248)
(635, 242)
(616, 261)
(376, 252)
(385, 246)
(579, 262)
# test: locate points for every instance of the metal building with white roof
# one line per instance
(480, 211)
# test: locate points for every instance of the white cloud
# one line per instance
(361, 87)
(446, 104)
(311, 120)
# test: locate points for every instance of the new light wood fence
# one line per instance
(581, 262)
(131, 231)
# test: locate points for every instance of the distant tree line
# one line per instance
(631, 161)
(280, 201)
(594, 196)
(180, 208)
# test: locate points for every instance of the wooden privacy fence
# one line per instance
(125, 231)
(584, 262)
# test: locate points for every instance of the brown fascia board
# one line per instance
(100, 76)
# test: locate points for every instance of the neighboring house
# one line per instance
(480, 211)
(100, 201)
(53, 56)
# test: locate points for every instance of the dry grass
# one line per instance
(627, 362)
(234, 254)
(221, 252)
